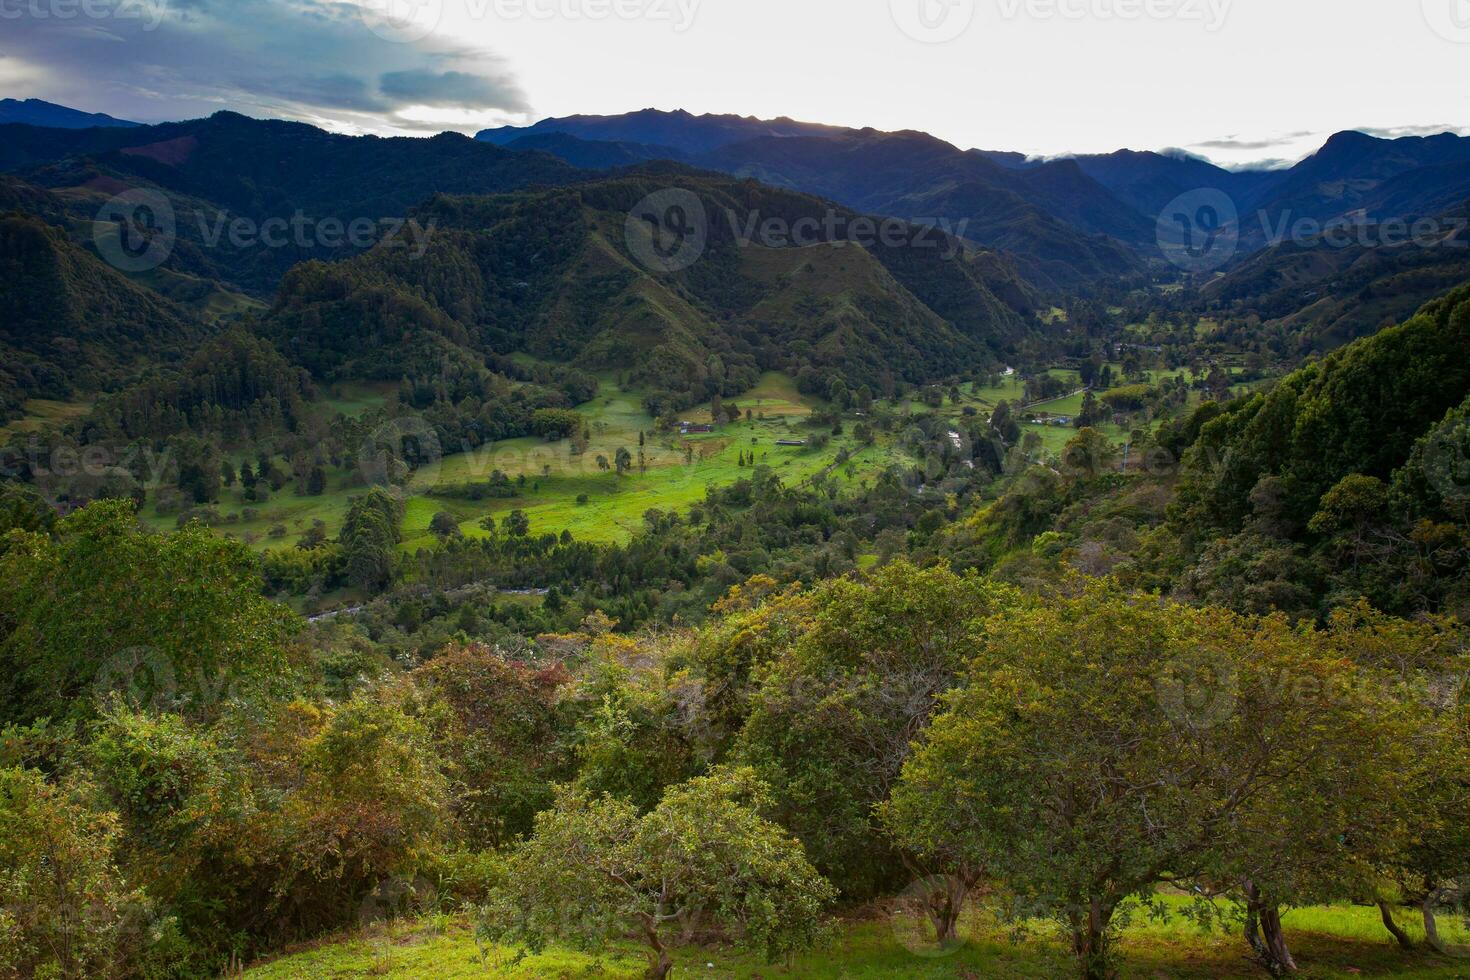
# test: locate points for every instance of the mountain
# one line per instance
(1065, 228)
(34, 112)
(1318, 293)
(1148, 181)
(70, 323)
(557, 274)
(594, 154)
(1406, 177)
(689, 134)
(215, 170)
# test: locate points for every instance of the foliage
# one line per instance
(65, 908)
(504, 733)
(833, 715)
(704, 856)
(1105, 743)
(172, 620)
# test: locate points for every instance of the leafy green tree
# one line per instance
(834, 713)
(623, 460)
(22, 508)
(555, 423)
(444, 525)
(171, 620)
(1106, 743)
(369, 536)
(65, 908)
(595, 870)
(506, 731)
(517, 524)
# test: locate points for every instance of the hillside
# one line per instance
(215, 170)
(37, 112)
(1325, 292)
(1053, 217)
(554, 274)
(1406, 177)
(70, 323)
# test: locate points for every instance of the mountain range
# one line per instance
(1069, 221)
(532, 250)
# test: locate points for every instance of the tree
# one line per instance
(369, 538)
(198, 468)
(517, 525)
(840, 701)
(1089, 453)
(624, 460)
(68, 912)
(170, 620)
(1004, 425)
(556, 423)
(504, 734)
(316, 482)
(445, 525)
(1106, 743)
(717, 409)
(595, 870)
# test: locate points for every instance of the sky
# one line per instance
(1237, 81)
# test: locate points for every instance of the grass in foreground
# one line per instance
(1328, 943)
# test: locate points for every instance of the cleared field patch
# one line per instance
(45, 413)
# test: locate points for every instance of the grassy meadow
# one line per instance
(561, 490)
(1337, 942)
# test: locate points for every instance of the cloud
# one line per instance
(320, 61)
(1394, 132)
(454, 89)
(1232, 142)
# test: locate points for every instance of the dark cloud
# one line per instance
(321, 61)
(454, 89)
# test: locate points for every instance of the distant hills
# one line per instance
(554, 273)
(1070, 222)
(531, 252)
(70, 323)
(229, 166)
(35, 112)
(528, 254)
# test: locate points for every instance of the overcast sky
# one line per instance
(1235, 80)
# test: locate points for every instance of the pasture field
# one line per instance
(560, 489)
